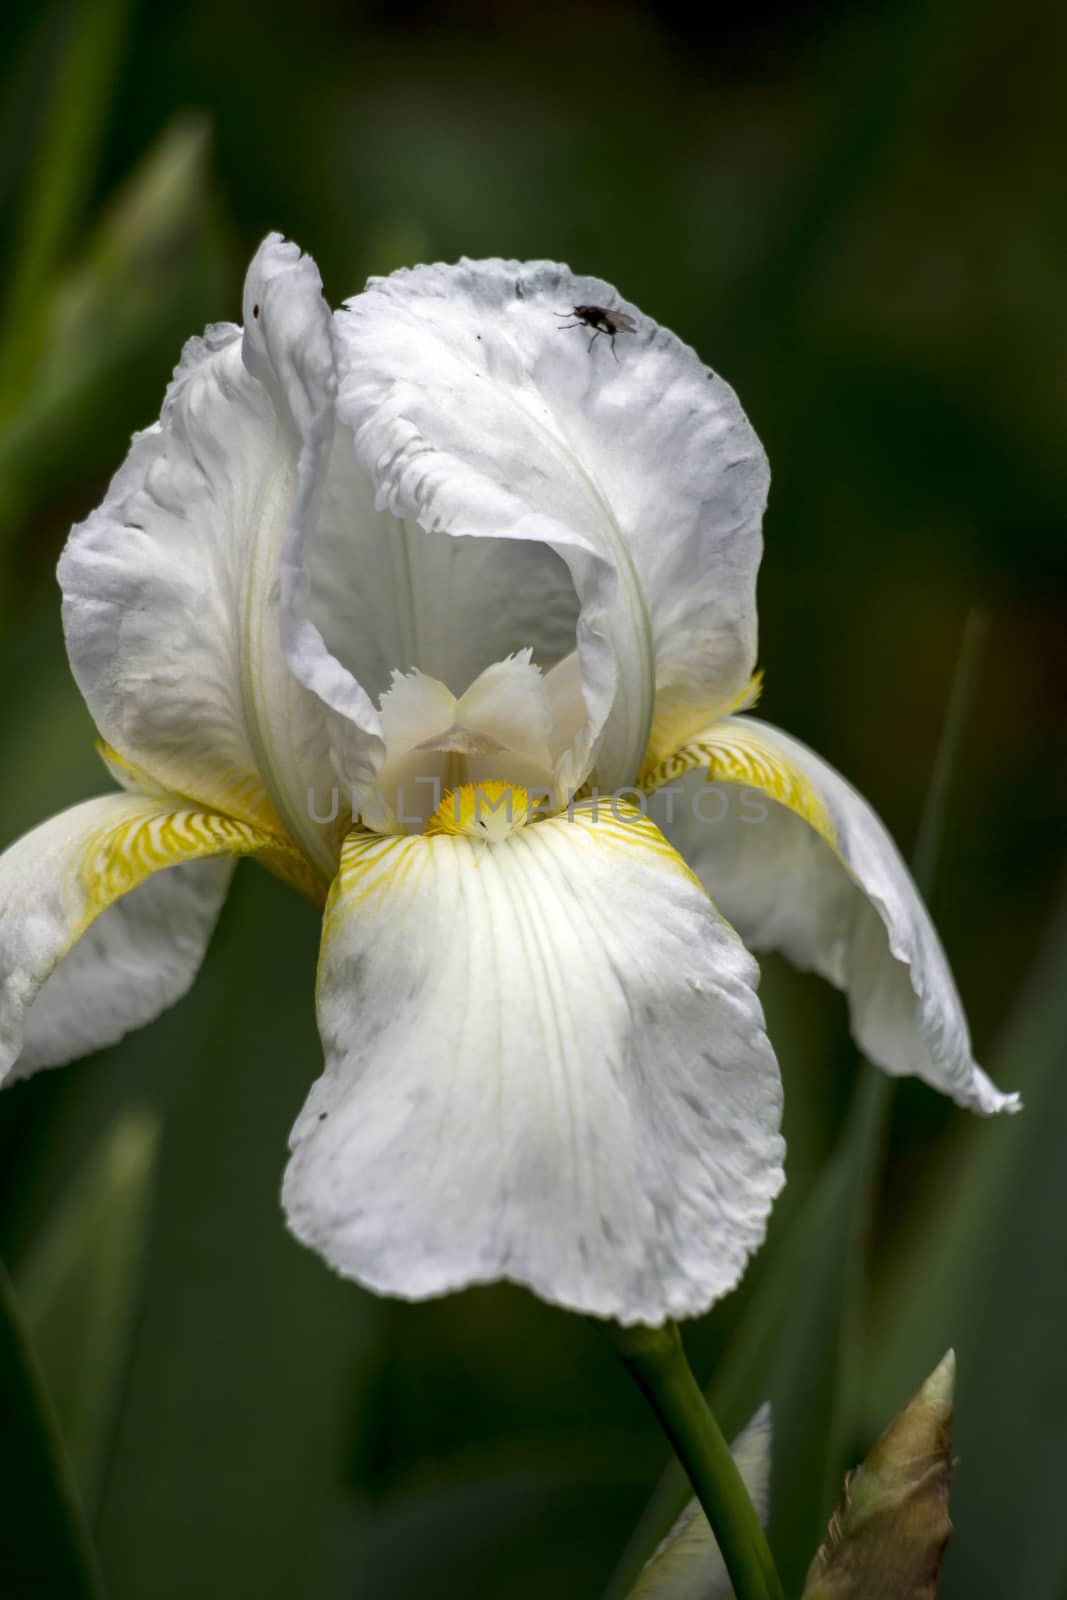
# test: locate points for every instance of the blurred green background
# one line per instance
(855, 212)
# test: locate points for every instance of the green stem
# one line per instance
(657, 1360)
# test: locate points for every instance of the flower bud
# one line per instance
(888, 1535)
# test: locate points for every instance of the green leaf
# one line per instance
(60, 176)
(151, 272)
(984, 1269)
(44, 1545)
(80, 1289)
(253, 1368)
(794, 1345)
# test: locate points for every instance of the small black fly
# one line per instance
(601, 320)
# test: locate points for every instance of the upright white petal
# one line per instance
(522, 481)
(370, 594)
(171, 588)
(96, 937)
(799, 862)
(545, 1061)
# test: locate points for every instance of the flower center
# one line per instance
(482, 763)
(489, 811)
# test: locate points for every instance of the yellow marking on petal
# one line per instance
(121, 855)
(273, 847)
(750, 695)
(733, 754)
(242, 796)
(617, 824)
(374, 865)
(679, 719)
(489, 811)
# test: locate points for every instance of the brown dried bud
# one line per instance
(887, 1537)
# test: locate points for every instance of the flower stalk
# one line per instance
(657, 1360)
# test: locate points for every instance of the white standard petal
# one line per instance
(800, 863)
(546, 1062)
(477, 412)
(172, 587)
(370, 595)
(478, 421)
(96, 937)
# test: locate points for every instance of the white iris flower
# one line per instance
(381, 600)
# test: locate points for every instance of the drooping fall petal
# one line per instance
(799, 862)
(105, 913)
(545, 1061)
